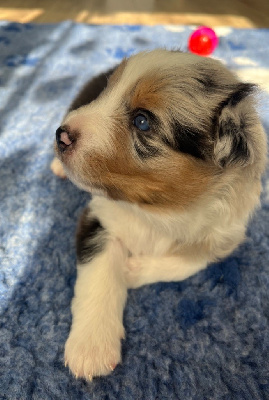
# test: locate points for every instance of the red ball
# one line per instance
(203, 41)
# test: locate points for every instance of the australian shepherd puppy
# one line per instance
(172, 150)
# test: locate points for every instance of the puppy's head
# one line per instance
(164, 127)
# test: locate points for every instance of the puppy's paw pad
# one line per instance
(57, 168)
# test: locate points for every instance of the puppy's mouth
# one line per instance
(64, 139)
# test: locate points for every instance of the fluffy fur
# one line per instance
(173, 150)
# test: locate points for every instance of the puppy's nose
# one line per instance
(63, 139)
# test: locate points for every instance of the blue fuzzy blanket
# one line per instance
(204, 338)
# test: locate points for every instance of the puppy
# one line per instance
(172, 150)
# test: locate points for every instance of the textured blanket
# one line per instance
(204, 338)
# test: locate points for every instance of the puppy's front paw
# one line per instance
(57, 168)
(89, 354)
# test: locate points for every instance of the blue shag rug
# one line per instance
(204, 338)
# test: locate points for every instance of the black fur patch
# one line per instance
(91, 90)
(91, 238)
(242, 91)
(235, 129)
(239, 149)
(207, 82)
(239, 93)
(188, 140)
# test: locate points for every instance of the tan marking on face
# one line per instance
(149, 92)
(172, 180)
(175, 184)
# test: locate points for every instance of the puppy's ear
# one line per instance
(233, 124)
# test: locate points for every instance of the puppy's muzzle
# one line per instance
(64, 139)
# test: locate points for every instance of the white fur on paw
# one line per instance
(57, 168)
(89, 354)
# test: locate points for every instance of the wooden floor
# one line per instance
(236, 13)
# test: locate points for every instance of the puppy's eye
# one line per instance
(141, 122)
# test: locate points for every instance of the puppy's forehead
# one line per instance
(144, 63)
(148, 78)
(162, 71)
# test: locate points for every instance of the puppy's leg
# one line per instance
(94, 344)
(57, 168)
(145, 270)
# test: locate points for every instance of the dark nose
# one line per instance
(63, 139)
